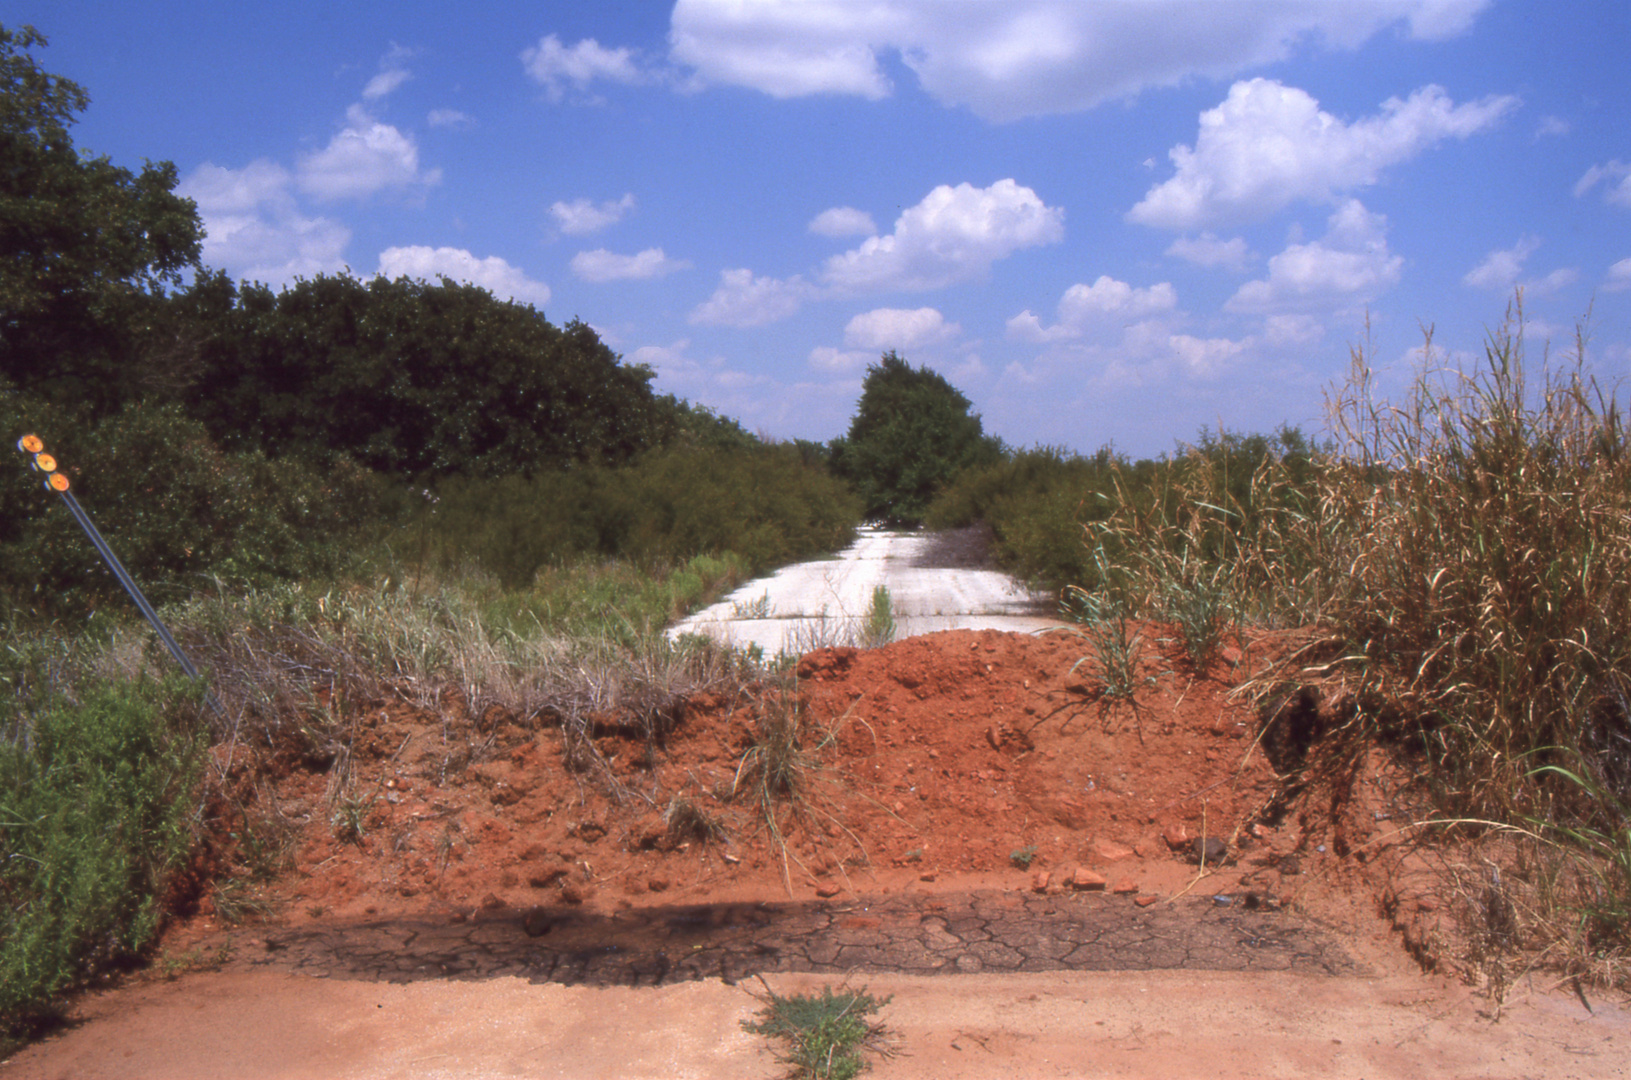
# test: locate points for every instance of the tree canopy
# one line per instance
(86, 247)
(911, 435)
(411, 379)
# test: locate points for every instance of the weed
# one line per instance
(685, 820)
(351, 818)
(1105, 620)
(1023, 857)
(878, 628)
(825, 1034)
(757, 608)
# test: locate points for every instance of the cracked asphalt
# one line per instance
(916, 935)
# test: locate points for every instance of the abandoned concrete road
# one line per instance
(933, 580)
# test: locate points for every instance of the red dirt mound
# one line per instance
(954, 760)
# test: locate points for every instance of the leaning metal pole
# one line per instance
(57, 482)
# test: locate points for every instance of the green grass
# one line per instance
(94, 808)
(824, 1034)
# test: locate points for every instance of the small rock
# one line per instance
(1125, 885)
(491, 902)
(537, 923)
(1145, 848)
(573, 893)
(1289, 865)
(1209, 850)
(828, 890)
(1145, 901)
(1109, 851)
(1176, 836)
(1084, 879)
(927, 875)
(657, 883)
(994, 737)
(1039, 881)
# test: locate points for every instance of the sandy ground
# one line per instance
(274, 1026)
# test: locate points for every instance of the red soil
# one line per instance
(939, 762)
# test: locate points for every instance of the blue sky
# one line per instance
(1104, 222)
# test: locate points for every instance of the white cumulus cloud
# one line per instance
(448, 118)
(365, 157)
(1350, 265)
(254, 229)
(1268, 145)
(899, 328)
(953, 235)
(843, 221)
(1208, 250)
(827, 358)
(581, 216)
(1085, 308)
(1005, 59)
(745, 299)
(1619, 277)
(493, 273)
(1500, 269)
(1615, 176)
(601, 265)
(555, 66)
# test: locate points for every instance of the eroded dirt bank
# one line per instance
(469, 896)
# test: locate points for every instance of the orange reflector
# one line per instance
(30, 444)
(58, 482)
(45, 462)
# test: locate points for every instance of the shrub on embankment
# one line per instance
(766, 505)
(94, 816)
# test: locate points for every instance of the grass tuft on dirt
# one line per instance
(825, 1034)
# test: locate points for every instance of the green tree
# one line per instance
(87, 248)
(412, 379)
(912, 434)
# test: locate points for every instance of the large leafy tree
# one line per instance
(87, 247)
(911, 435)
(412, 379)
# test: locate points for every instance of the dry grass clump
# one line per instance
(1478, 541)
(1463, 555)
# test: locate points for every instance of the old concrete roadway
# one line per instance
(934, 583)
(915, 935)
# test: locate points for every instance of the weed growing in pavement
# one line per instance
(878, 628)
(825, 1035)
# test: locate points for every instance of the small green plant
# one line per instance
(1199, 602)
(351, 818)
(1023, 857)
(757, 608)
(825, 1034)
(1106, 623)
(879, 627)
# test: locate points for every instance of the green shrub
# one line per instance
(93, 816)
(767, 506)
(174, 508)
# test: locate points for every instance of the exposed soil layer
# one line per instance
(949, 762)
(964, 803)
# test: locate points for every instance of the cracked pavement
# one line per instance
(915, 935)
